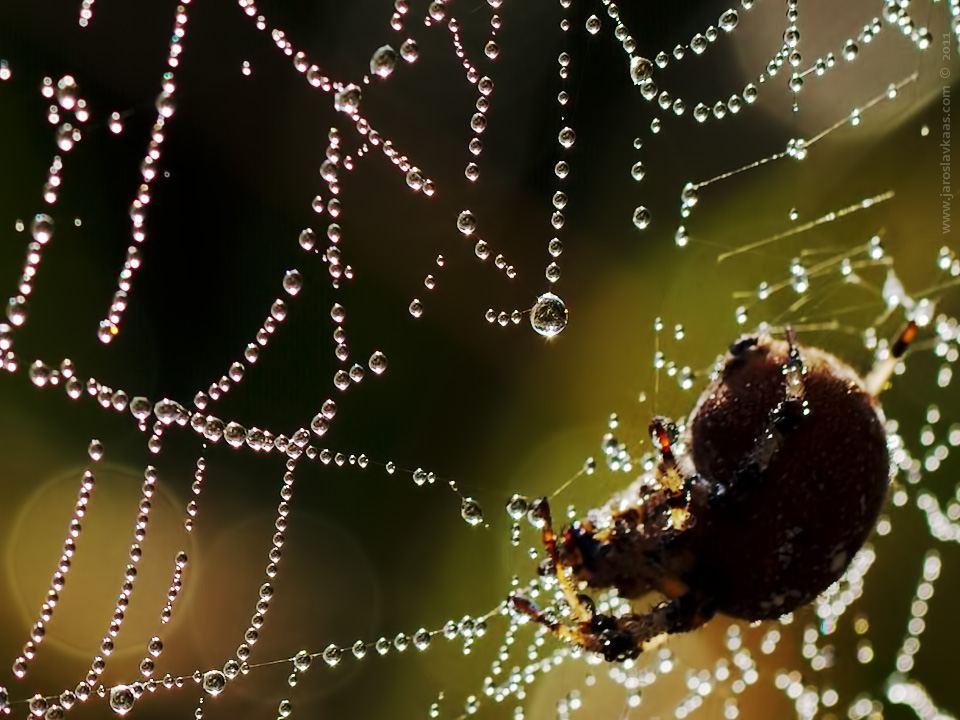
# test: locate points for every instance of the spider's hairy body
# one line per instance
(776, 482)
(768, 530)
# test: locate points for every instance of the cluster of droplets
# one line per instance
(149, 170)
(438, 13)
(68, 100)
(38, 631)
(548, 317)
(683, 375)
(347, 99)
(642, 71)
(797, 149)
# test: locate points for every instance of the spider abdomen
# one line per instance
(788, 503)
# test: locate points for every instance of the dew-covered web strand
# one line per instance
(170, 413)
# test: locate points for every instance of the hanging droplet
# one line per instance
(378, 362)
(332, 655)
(383, 62)
(593, 24)
(850, 50)
(292, 282)
(728, 21)
(416, 308)
(95, 450)
(347, 100)
(214, 682)
(41, 227)
(409, 50)
(121, 699)
(466, 222)
(308, 239)
(641, 69)
(517, 506)
(641, 218)
(471, 511)
(548, 317)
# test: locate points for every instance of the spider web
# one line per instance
(269, 520)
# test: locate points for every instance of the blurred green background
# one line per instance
(500, 410)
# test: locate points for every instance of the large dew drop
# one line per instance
(121, 699)
(548, 316)
(641, 69)
(214, 681)
(471, 511)
(383, 62)
(378, 362)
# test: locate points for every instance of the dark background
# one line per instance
(499, 410)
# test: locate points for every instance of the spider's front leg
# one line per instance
(624, 637)
(578, 604)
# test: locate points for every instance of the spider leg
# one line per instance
(619, 638)
(571, 635)
(625, 636)
(672, 476)
(581, 612)
(876, 380)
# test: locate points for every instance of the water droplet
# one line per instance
(471, 511)
(284, 708)
(548, 317)
(466, 222)
(41, 227)
(214, 682)
(637, 171)
(332, 655)
(728, 21)
(308, 239)
(302, 660)
(593, 25)
(416, 308)
(641, 218)
(319, 425)
(166, 105)
(850, 50)
(121, 699)
(641, 69)
(292, 282)
(348, 99)
(409, 50)
(517, 506)
(567, 137)
(378, 362)
(95, 450)
(383, 62)
(67, 92)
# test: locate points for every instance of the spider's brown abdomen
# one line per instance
(781, 526)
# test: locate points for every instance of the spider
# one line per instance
(774, 485)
